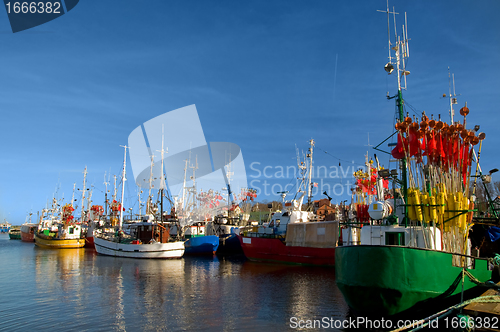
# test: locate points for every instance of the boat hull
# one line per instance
(27, 237)
(59, 243)
(229, 244)
(15, 236)
(275, 250)
(89, 242)
(202, 245)
(28, 232)
(386, 281)
(153, 250)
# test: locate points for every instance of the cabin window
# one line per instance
(277, 223)
(395, 238)
(271, 224)
(71, 230)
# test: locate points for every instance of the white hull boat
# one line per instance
(158, 250)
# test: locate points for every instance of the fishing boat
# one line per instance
(28, 229)
(293, 235)
(198, 242)
(227, 227)
(94, 222)
(4, 227)
(15, 233)
(87, 214)
(146, 239)
(407, 251)
(59, 234)
(100, 221)
(191, 217)
(231, 222)
(28, 232)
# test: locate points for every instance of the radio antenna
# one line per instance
(401, 49)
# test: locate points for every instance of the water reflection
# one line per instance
(78, 289)
(280, 292)
(58, 271)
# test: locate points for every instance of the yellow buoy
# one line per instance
(450, 205)
(433, 209)
(465, 206)
(411, 203)
(427, 211)
(442, 202)
(418, 208)
(458, 207)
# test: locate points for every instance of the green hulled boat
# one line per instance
(15, 233)
(385, 281)
(406, 250)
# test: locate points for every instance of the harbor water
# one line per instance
(78, 290)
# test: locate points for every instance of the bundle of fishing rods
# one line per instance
(439, 162)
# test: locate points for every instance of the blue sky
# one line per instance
(265, 75)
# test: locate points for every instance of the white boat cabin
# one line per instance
(281, 219)
(415, 236)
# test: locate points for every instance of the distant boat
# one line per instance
(198, 242)
(229, 224)
(145, 239)
(28, 232)
(15, 233)
(227, 229)
(60, 234)
(189, 222)
(96, 216)
(292, 241)
(293, 235)
(64, 237)
(4, 227)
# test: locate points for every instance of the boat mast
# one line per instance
(83, 193)
(89, 200)
(123, 185)
(114, 192)
(149, 203)
(309, 184)
(192, 190)
(105, 195)
(402, 52)
(139, 191)
(73, 196)
(452, 97)
(162, 177)
(230, 200)
(183, 199)
(301, 176)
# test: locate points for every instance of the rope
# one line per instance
(446, 312)
(496, 260)
(340, 159)
(473, 279)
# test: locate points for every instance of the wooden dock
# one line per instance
(483, 310)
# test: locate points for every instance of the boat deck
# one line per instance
(490, 309)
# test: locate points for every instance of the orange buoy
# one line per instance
(464, 111)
